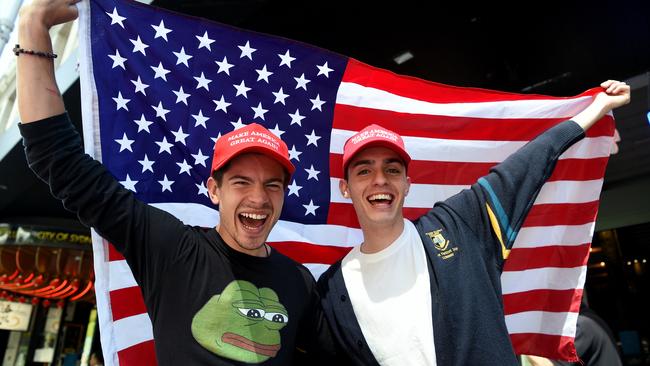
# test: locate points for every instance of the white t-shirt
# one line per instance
(391, 298)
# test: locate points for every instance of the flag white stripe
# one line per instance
(133, 330)
(545, 322)
(477, 151)
(426, 195)
(549, 278)
(367, 97)
(541, 236)
(120, 275)
(570, 191)
(316, 269)
(341, 236)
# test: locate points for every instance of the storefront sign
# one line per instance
(16, 234)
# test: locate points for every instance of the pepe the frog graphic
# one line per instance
(242, 323)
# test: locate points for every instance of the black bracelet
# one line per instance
(17, 51)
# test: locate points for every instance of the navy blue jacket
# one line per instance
(466, 240)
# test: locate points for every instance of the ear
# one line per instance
(343, 187)
(408, 186)
(213, 191)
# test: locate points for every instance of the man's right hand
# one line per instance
(47, 13)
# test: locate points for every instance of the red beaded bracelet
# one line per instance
(17, 50)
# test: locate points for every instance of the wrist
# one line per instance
(33, 34)
(31, 21)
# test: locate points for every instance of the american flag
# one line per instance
(159, 88)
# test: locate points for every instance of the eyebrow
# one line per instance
(368, 162)
(248, 179)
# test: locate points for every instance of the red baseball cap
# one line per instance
(251, 138)
(371, 136)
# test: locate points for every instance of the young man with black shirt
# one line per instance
(215, 296)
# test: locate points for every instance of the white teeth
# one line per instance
(254, 216)
(380, 197)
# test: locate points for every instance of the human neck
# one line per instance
(378, 236)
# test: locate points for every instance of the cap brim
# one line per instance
(406, 158)
(283, 161)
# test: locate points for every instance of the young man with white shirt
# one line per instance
(428, 292)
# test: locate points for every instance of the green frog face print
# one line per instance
(242, 323)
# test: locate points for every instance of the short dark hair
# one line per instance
(219, 173)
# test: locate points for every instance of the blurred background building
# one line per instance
(557, 49)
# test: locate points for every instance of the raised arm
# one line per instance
(502, 199)
(38, 94)
(614, 95)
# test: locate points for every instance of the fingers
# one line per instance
(621, 89)
(606, 84)
(615, 87)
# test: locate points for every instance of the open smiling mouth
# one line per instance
(252, 221)
(236, 340)
(381, 199)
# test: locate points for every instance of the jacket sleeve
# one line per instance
(495, 207)
(54, 153)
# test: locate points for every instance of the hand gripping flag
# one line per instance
(159, 88)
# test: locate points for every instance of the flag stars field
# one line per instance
(233, 108)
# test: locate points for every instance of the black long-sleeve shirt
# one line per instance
(209, 304)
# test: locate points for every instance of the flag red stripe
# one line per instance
(543, 300)
(539, 215)
(310, 253)
(354, 118)
(366, 75)
(127, 302)
(113, 254)
(557, 256)
(545, 345)
(141, 354)
(562, 214)
(467, 173)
